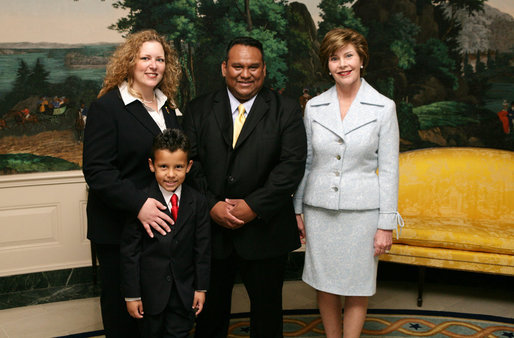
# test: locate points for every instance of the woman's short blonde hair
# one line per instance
(340, 37)
(121, 65)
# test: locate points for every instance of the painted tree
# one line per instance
(37, 82)
(452, 8)
(338, 13)
(432, 59)
(22, 77)
(304, 69)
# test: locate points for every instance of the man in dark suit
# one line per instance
(164, 278)
(249, 148)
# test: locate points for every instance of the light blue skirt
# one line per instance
(339, 251)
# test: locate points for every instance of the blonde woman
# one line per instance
(134, 105)
(349, 210)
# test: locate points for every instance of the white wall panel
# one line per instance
(43, 222)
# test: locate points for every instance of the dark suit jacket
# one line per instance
(117, 144)
(264, 169)
(149, 266)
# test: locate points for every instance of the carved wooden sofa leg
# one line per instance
(421, 284)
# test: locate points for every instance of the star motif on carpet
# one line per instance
(414, 326)
(508, 334)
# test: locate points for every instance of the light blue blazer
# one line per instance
(343, 156)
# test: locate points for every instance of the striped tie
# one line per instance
(238, 124)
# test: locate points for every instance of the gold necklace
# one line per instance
(151, 101)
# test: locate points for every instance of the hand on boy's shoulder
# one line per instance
(152, 216)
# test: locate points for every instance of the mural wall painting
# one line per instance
(448, 65)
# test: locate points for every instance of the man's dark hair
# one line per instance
(245, 41)
(171, 140)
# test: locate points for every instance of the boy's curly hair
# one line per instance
(171, 140)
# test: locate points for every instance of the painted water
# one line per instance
(54, 61)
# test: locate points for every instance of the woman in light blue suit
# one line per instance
(349, 208)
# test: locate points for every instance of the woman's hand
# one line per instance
(301, 227)
(151, 216)
(383, 241)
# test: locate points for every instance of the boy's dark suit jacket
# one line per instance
(117, 145)
(150, 265)
(264, 169)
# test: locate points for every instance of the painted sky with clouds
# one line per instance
(86, 21)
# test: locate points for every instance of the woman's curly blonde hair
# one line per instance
(121, 64)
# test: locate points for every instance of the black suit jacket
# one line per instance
(117, 144)
(149, 266)
(264, 169)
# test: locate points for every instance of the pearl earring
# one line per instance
(329, 73)
(362, 67)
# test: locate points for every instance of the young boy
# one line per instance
(164, 278)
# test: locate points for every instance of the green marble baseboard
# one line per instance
(46, 287)
(60, 285)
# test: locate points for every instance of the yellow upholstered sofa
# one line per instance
(458, 209)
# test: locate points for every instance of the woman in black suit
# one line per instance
(134, 104)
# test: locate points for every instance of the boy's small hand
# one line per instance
(151, 216)
(198, 302)
(135, 308)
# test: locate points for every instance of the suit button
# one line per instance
(168, 278)
(340, 141)
(230, 179)
(335, 189)
(336, 173)
(338, 157)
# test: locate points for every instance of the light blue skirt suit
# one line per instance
(342, 196)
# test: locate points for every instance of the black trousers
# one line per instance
(263, 280)
(116, 320)
(174, 322)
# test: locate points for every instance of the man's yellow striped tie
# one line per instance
(238, 124)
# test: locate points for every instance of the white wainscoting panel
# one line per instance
(43, 222)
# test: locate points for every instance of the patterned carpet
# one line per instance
(393, 323)
(382, 323)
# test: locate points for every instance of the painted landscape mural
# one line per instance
(448, 64)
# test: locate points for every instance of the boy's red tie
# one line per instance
(174, 206)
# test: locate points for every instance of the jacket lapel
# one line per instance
(221, 109)
(327, 112)
(260, 108)
(170, 116)
(141, 114)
